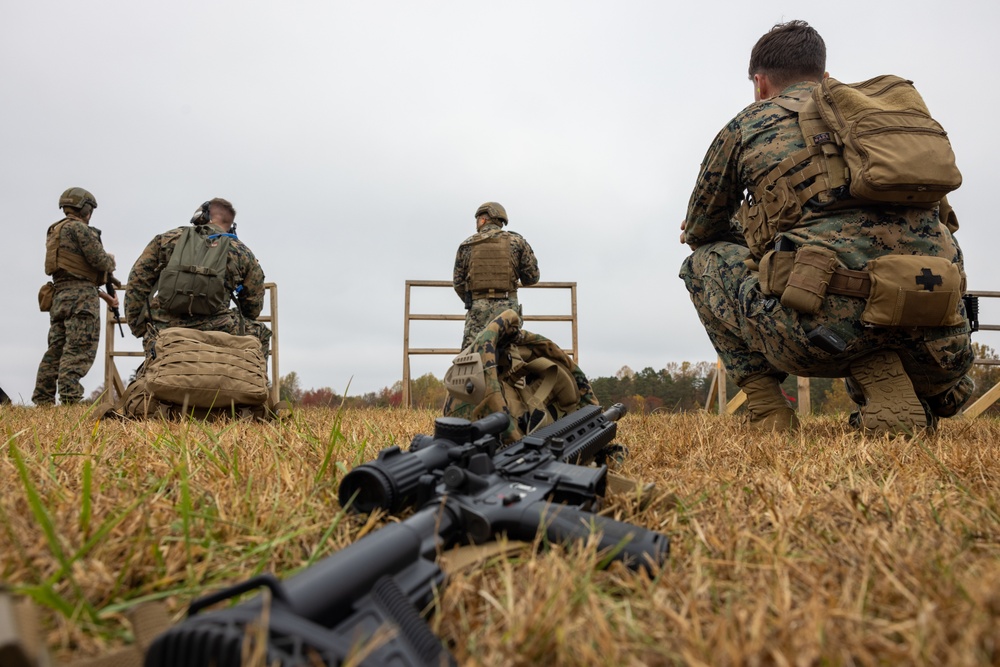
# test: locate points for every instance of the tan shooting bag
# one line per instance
(207, 369)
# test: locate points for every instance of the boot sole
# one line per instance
(891, 406)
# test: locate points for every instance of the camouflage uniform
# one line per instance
(74, 319)
(483, 310)
(494, 345)
(146, 317)
(754, 334)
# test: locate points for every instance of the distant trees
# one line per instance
(291, 390)
(323, 397)
(677, 387)
(427, 392)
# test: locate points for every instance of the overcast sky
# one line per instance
(356, 140)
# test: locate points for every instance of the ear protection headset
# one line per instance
(200, 216)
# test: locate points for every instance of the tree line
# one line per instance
(677, 387)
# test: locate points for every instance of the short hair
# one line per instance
(224, 203)
(788, 53)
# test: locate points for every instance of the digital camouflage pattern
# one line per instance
(754, 334)
(74, 319)
(484, 310)
(146, 317)
(493, 344)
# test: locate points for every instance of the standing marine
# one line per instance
(76, 260)
(242, 281)
(489, 267)
(809, 274)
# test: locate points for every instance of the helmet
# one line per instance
(77, 198)
(494, 210)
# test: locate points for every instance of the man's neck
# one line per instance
(221, 226)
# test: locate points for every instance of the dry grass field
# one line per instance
(824, 547)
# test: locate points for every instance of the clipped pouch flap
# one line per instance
(914, 291)
(775, 268)
(809, 279)
(45, 296)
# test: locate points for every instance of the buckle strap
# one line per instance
(850, 283)
(493, 294)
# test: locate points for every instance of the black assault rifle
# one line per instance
(467, 489)
(110, 287)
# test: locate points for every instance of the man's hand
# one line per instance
(112, 301)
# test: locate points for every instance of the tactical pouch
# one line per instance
(776, 209)
(914, 291)
(775, 268)
(45, 295)
(809, 279)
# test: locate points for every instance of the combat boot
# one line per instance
(768, 407)
(890, 403)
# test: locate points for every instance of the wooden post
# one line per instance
(720, 373)
(275, 376)
(712, 390)
(576, 348)
(805, 400)
(406, 347)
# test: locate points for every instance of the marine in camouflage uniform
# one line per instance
(760, 340)
(483, 304)
(146, 316)
(77, 262)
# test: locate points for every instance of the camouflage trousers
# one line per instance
(755, 335)
(482, 312)
(74, 333)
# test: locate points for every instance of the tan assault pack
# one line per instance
(207, 369)
(895, 152)
(526, 375)
(60, 258)
(874, 141)
(491, 266)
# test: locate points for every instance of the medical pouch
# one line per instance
(914, 291)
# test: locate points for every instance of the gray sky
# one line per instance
(356, 140)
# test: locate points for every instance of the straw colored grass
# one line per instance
(824, 547)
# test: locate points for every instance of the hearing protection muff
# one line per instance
(200, 216)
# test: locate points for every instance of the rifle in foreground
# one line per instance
(465, 489)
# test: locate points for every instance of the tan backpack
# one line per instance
(895, 152)
(207, 369)
(874, 139)
(526, 375)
